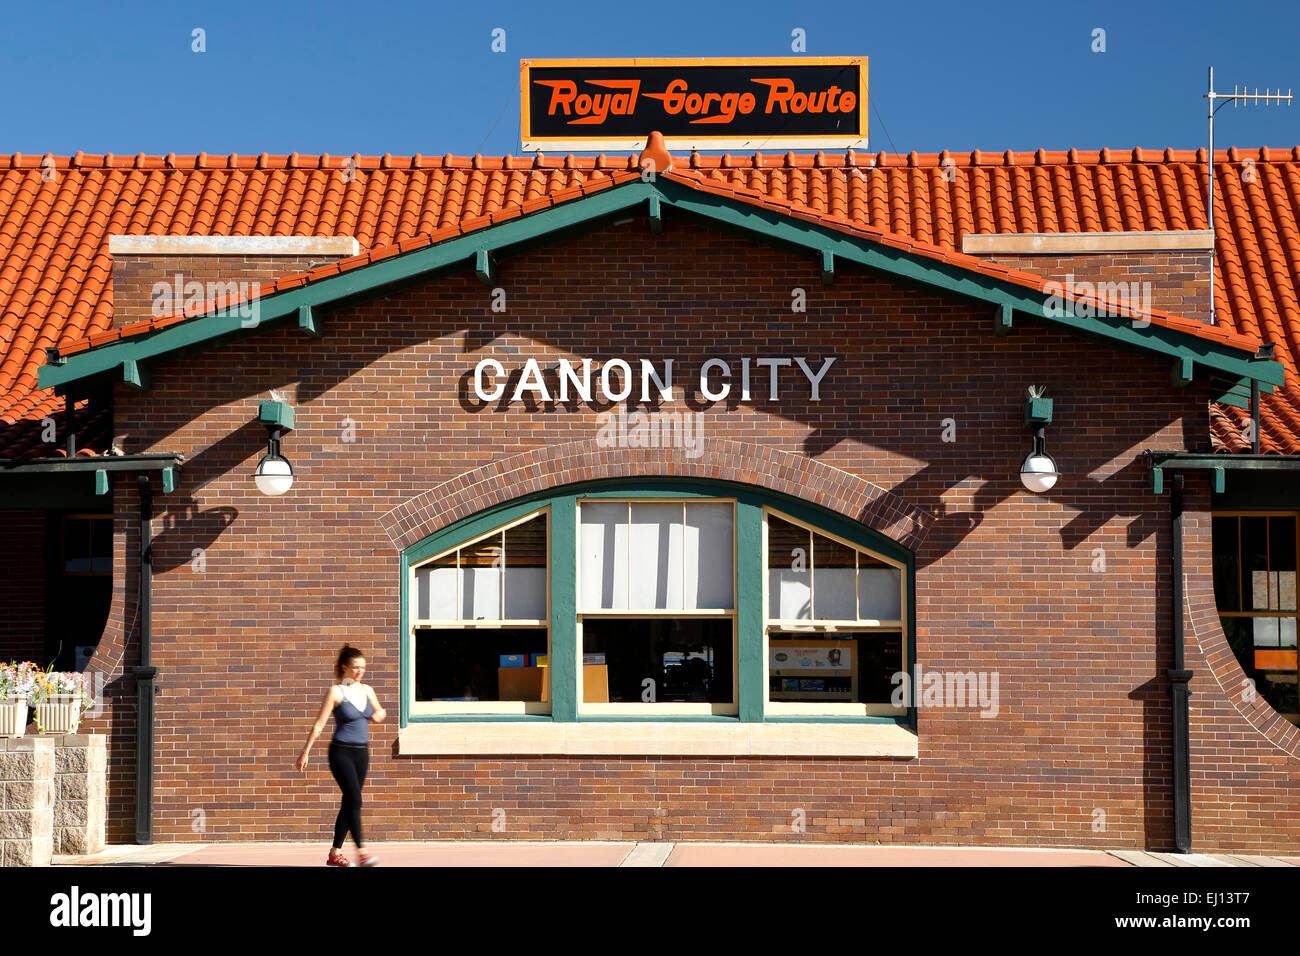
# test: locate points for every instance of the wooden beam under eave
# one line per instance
(308, 321)
(168, 480)
(101, 482)
(1220, 481)
(1002, 319)
(484, 267)
(828, 267)
(1158, 481)
(135, 373)
(656, 215)
(1180, 375)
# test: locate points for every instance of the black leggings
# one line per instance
(348, 763)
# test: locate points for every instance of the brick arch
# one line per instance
(541, 469)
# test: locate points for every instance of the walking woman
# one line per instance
(352, 703)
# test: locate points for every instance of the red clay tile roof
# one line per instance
(56, 215)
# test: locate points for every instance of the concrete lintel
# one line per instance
(1064, 243)
(653, 738)
(233, 246)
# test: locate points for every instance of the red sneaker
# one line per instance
(368, 859)
(337, 859)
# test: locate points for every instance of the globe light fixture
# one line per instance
(1038, 472)
(274, 475)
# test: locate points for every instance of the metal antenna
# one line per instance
(1266, 98)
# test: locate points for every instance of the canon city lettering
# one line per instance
(615, 381)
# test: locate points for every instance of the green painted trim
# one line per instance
(101, 482)
(726, 211)
(1038, 411)
(656, 215)
(484, 267)
(1158, 481)
(308, 321)
(828, 267)
(565, 652)
(1002, 318)
(153, 462)
(910, 267)
(1220, 481)
(276, 414)
(750, 560)
(1180, 376)
(168, 480)
(404, 652)
(205, 331)
(1237, 462)
(136, 374)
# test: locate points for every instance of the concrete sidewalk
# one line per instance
(530, 853)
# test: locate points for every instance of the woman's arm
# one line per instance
(326, 706)
(379, 714)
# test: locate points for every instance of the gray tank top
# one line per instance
(351, 726)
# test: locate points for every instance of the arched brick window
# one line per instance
(674, 599)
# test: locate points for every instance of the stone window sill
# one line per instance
(652, 738)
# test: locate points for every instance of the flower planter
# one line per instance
(13, 717)
(59, 714)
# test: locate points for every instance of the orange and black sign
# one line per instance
(795, 102)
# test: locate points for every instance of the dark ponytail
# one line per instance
(346, 657)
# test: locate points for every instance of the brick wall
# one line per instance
(1078, 754)
(1179, 281)
(22, 587)
(134, 278)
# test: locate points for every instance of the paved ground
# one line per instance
(520, 853)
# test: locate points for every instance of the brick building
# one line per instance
(727, 459)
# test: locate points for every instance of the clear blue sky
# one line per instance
(371, 77)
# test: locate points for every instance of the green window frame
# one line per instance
(750, 613)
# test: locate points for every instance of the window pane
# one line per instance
(709, 549)
(657, 660)
(76, 545)
(480, 580)
(656, 556)
(435, 585)
(1227, 575)
(846, 668)
(526, 570)
(879, 591)
(602, 564)
(1281, 561)
(834, 595)
(101, 544)
(1254, 557)
(789, 583)
(460, 664)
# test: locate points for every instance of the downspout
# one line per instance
(1178, 678)
(145, 689)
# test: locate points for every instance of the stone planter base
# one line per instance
(80, 768)
(27, 807)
